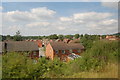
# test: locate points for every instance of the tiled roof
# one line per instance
(66, 46)
(22, 46)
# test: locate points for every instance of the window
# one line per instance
(34, 53)
(56, 51)
(79, 51)
(63, 51)
(70, 50)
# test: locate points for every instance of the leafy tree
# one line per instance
(69, 36)
(81, 35)
(88, 40)
(54, 36)
(17, 37)
(61, 37)
(76, 36)
(8, 37)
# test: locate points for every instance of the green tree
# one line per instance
(54, 36)
(61, 37)
(17, 36)
(76, 36)
(8, 37)
(69, 36)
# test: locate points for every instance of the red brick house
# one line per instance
(34, 48)
(111, 37)
(62, 50)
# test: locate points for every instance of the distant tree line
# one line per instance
(19, 37)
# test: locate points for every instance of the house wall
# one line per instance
(34, 54)
(49, 52)
(67, 52)
(41, 52)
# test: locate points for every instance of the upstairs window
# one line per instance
(79, 51)
(34, 53)
(56, 51)
(70, 51)
(63, 51)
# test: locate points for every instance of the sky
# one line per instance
(46, 18)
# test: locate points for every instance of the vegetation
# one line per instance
(99, 61)
(19, 37)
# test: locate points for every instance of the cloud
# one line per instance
(1, 8)
(61, 28)
(89, 16)
(43, 11)
(109, 0)
(38, 24)
(108, 22)
(65, 19)
(43, 21)
(110, 4)
(14, 28)
(33, 15)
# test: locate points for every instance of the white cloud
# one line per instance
(38, 24)
(32, 15)
(43, 11)
(61, 28)
(110, 4)
(14, 28)
(65, 19)
(42, 21)
(108, 22)
(109, 0)
(1, 8)
(90, 15)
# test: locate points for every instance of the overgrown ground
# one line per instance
(99, 61)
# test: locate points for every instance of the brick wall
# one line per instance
(49, 52)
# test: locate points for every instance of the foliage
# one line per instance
(69, 36)
(94, 60)
(88, 40)
(54, 36)
(17, 37)
(61, 37)
(76, 36)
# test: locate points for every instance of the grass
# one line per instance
(110, 71)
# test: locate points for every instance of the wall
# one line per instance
(49, 52)
(41, 52)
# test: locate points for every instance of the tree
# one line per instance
(61, 37)
(81, 35)
(8, 37)
(69, 36)
(17, 37)
(54, 36)
(76, 36)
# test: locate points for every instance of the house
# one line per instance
(75, 41)
(111, 37)
(62, 50)
(66, 40)
(45, 42)
(34, 48)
